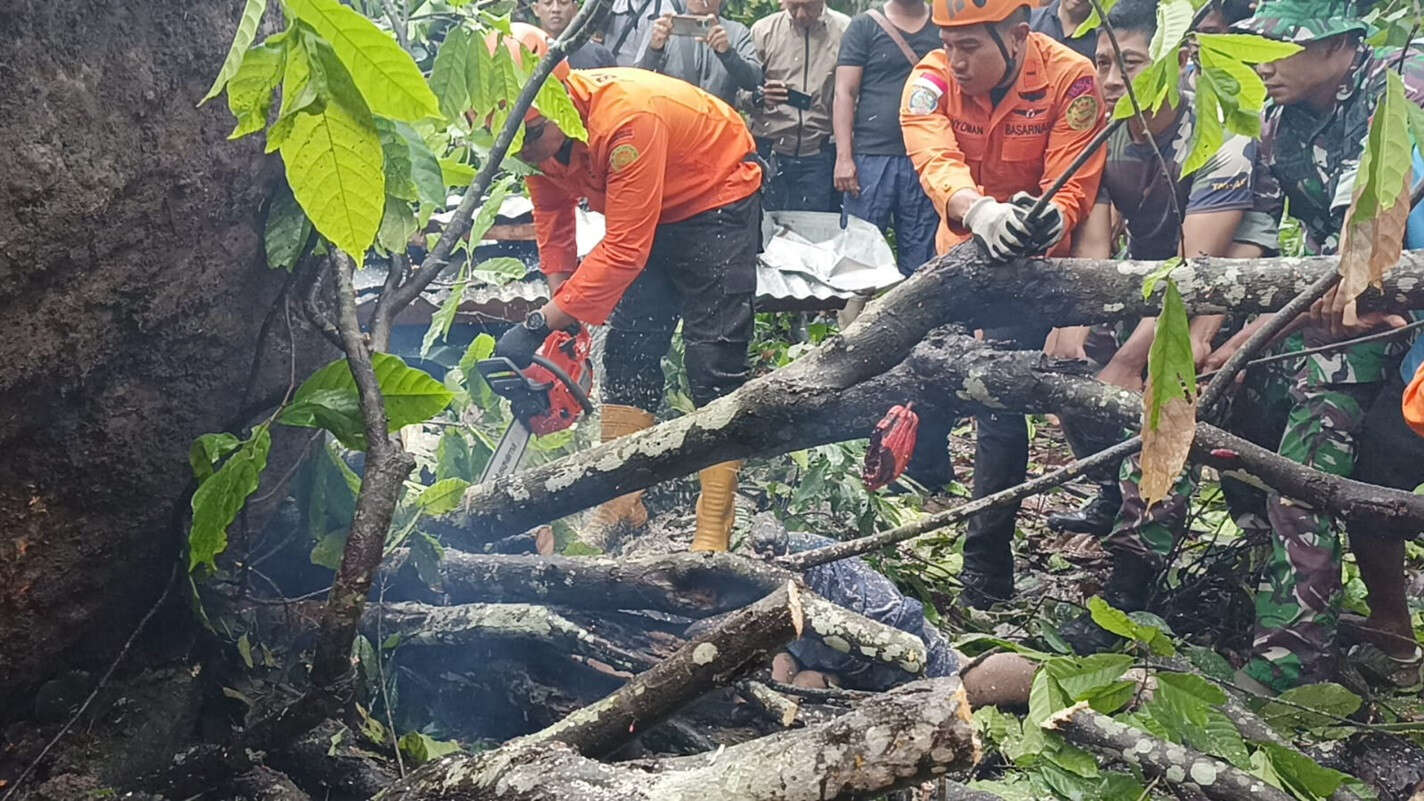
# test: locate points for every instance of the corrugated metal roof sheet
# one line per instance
(808, 262)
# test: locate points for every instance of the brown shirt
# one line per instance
(806, 61)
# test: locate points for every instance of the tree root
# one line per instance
(893, 740)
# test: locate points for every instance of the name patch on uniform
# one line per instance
(621, 157)
(1081, 86)
(925, 95)
(1082, 112)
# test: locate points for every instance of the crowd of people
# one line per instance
(947, 122)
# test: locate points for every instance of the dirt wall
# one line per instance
(132, 286)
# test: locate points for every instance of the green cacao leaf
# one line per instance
(444, 316)
(221, 496)
(411, 395)
(1247, 47)
(1168, 405)
(388, 79)
(207, 450)
(398, 225)
(1080, 678)
(1174, 19)
(452, 71)
(442, 496)
(500, 270)
(249, 92)
(287, 230)
(554, 103)
(246, 32)
(424, 169)
(335, 168)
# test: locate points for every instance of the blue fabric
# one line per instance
(891, 197)
(1414, 240)
(801, 184)
(857, 586)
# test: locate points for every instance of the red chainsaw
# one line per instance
(547, 396)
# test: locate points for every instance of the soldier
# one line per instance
(1312, 139)
(990, 121)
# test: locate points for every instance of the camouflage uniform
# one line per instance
(1313, 164)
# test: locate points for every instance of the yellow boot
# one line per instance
(625, 510)
(716, 507)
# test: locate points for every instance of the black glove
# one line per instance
(519, 343)
(1043, 232)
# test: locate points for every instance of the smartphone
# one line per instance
(797, 99)
(690, 25)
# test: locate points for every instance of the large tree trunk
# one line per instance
(133, 286)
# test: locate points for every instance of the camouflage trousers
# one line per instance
(1314, 422)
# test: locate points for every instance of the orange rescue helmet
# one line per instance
(962, 13)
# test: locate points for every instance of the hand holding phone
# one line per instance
(774, 93)
(691, 24)
(797, 99)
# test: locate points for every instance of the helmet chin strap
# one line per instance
(1010, 67)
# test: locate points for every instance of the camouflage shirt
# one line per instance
(1313, 163)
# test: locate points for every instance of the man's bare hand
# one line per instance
(1335, 314)
(774, 93)
(662, 29)
(1067, 343)
(1120, 375)
(845, 176)
(718, 40)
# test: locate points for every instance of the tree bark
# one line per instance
(894, 740)
(739, 644)
(689, 584)
(1174, 764)
(948, 373)
(132, 280)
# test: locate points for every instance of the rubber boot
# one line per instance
(716, 507)
(1128, 588)
(625, 511)
(1096, 516)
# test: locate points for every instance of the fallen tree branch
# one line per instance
(424, 625)
(948, 373)
(1174, 764)
(689, 584)
(773, 704)
(744, 640)
(893, 740)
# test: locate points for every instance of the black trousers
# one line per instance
(1000, 462)
(702, 269)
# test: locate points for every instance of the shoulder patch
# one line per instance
(621, 157)
(1081, 86)
(925, 93)
(1082, 112)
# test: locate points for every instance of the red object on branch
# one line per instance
(892, 443)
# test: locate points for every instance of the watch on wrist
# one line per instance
(535, 321)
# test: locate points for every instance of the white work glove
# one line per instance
(1047, 230)
(999, 226)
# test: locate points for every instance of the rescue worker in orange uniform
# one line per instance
(673, 170)
(990, 121)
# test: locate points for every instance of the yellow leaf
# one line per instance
(1368, 248)
(1166, 447)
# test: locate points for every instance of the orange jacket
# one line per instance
(1414, 402)
(1021, 145)
(659, 150)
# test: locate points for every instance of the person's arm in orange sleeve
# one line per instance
(1413, 402)
(932, 146)
(555, 226)
(1080, 120)
(637, 162)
